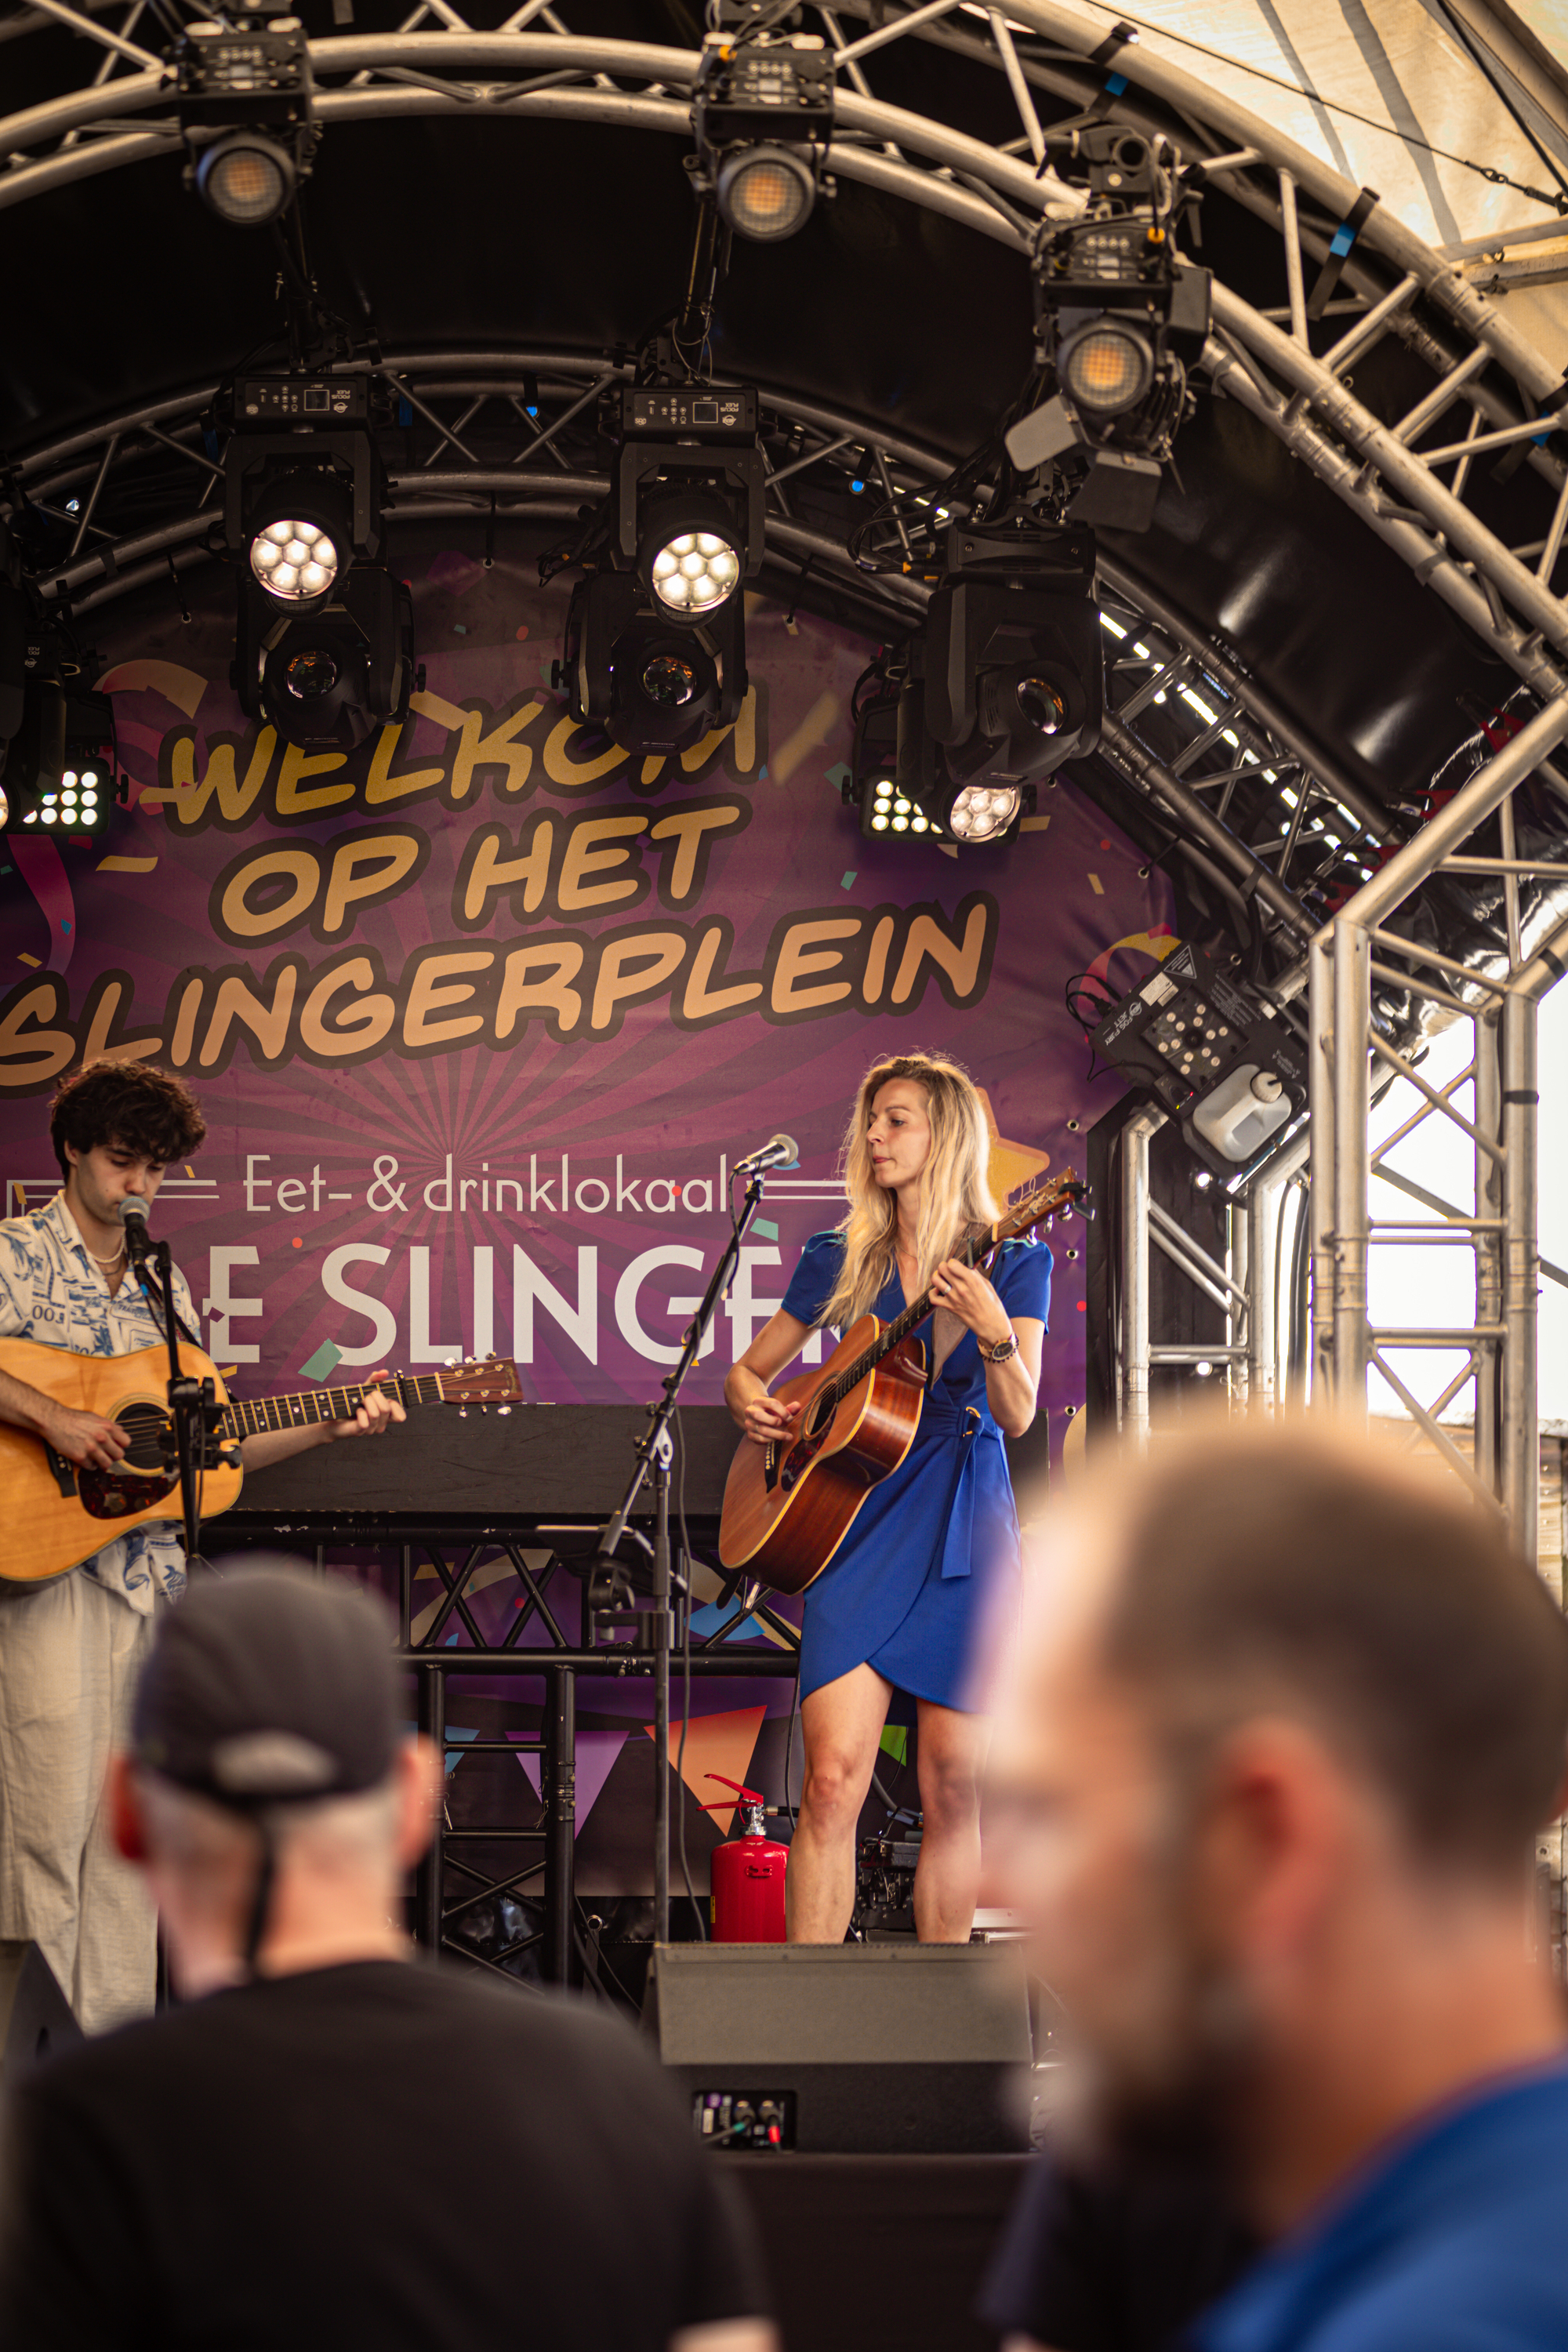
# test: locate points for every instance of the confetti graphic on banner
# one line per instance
(715, 1743)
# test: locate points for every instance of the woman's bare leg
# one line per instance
(952, 1752)
(841, 1725)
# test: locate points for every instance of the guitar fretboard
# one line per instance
(325, 1404)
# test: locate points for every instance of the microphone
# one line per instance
(138, 1241)
(779, 1151)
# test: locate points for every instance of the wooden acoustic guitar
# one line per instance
(789, 1505)
(60, 1514)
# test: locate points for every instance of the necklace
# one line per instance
(119, 1253)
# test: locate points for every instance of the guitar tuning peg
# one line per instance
(502, 1411)
(462, 1413)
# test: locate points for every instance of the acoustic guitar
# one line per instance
(788, 1505)
(60, 1515)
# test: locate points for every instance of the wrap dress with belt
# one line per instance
(918, 1576)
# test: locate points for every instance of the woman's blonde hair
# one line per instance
(955, 1189)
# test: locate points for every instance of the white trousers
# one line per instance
(70, 1656)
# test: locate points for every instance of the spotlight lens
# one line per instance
(979, 814)
(309, 674)
(295, 562)
(1107, 368)
(246, 183)
(1041, 704)
(669, 680)
(766, 195)
(696, 571)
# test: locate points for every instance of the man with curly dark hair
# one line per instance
(70, 1650)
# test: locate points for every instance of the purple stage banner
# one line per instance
(481, 1014)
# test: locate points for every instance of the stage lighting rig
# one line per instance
(656, 685)
(762, 121)
(886, 809)
(1005, 682)
(326, 678)
(243, 95)
(690, 493)
(1119, 317)
(302, 483)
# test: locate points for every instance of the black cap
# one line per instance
(269, 1684)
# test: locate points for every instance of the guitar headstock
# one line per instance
(491, 1381)
(1064, 1192)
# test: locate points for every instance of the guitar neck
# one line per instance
(299, 1410)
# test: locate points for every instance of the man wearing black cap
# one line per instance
(327, 2144)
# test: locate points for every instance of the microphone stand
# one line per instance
(612, 1582)
(194, 1408)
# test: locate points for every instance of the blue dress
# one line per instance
(911, 1586)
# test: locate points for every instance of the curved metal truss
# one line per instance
(1407, 480)
(1253, 808)
(1256, 808)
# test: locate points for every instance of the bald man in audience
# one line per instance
(1269, 1777)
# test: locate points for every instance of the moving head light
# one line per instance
(1119, 318)
(1005, 684)
(325, 679)
(655, 683)
(690, 493)
(301, 483)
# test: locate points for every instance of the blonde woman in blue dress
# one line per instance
(905, 1596)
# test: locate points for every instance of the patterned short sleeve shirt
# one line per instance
(51, 1291)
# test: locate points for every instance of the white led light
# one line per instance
(295, 562)
(981, 811)
(901, 805)
(695, 572)
(49, 816)
(68, 779)
(900, 825)
(917, 824)
(1114, 626)
(31, 817)
(878, 823)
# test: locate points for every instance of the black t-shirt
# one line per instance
(1093, 2264)
(379, 2155)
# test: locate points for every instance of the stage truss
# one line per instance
(1407, 481)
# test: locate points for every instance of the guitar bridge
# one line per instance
(770, 1465)
(63, 1474)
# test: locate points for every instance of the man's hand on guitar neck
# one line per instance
(373, 1418)
(86, 1439)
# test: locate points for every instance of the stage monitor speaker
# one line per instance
(852, 2049)
(35, 2018)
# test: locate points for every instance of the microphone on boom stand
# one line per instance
(779, 1151)
(138, 1240)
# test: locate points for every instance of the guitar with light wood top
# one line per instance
(58, 1514)
(789, 1504)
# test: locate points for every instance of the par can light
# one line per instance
(246, 180)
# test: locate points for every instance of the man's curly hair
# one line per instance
(145, 1109)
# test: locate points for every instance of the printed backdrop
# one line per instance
(481, 1014)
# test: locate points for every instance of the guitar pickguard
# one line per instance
(116, 1493)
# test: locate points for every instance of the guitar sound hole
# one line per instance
(819, 1419)
(147, 1428)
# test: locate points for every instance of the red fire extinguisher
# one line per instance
(748, 1873)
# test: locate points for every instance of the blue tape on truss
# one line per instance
(1344, 237)
(1115, 84)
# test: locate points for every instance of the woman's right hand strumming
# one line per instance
(769, 1420)
(766, 1418)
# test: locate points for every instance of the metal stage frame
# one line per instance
(560, 1662)
(1406, 481)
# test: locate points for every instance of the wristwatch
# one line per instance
(1004, 1352)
